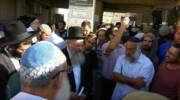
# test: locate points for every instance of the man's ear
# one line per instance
(57, 81)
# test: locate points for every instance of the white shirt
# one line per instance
(76, 71)
(143, 67)
(26, 96)
(77, 76)
(58, 41)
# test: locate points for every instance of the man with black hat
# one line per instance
(75, 59)
(12, 47)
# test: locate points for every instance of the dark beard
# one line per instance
(16, 54)
(146, 49)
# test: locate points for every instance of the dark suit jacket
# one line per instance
(84, 77)
(7, 69)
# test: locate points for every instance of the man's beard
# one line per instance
(78, 58)
(146, 48)
(16, 54)
(63, 93)
(133, 58)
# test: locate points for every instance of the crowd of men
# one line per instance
(116, 62)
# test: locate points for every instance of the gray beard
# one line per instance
(64, 92)
(78, 58)
(133, 58)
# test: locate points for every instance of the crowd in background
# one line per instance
(116, 62)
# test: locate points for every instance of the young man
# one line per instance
(60, 29)
(86, 28)
(167, 79)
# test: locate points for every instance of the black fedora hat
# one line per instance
(15, 32)
(74, 32)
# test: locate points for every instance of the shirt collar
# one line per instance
(69, 52)
(140, 60)
(23, 95)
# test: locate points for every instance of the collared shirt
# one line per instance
(27, 96)
(143, 67)
(14, 60)
(76, 71)
(58, 41)
(109, 59)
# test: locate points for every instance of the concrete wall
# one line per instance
(98, 13)
(12, 9)
(60, 3)
(7, 10)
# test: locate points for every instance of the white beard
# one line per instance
(133, 58)
(64, 92)
(78, 58)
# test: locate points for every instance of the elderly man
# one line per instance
(75, 59)
(46, 34)
(167, 79)
(133, 71)
(42, 73)
(13, 45)
(149, 48)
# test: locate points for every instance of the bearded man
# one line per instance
(133, 71)
(43, 74)
(75, 59)
(149, 48)
(13, 45)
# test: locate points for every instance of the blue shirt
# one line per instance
(163, 50)
(58, 41)
(143, 67)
